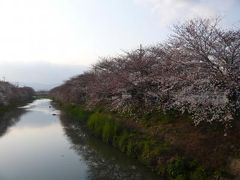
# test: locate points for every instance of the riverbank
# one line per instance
(143, 142)
(12, 106)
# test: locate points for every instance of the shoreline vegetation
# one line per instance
(174, 106)
(139, 141)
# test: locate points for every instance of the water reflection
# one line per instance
(35, 148)
(104, 162)
(44, 106)
(39, 147)
(8, 119)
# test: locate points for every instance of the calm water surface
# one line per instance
(37, 142)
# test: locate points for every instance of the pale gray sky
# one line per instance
(78, 32)
(41, 76)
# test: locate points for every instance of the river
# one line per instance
(38, 142)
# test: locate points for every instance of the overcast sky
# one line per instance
(46, 36)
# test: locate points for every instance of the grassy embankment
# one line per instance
(13, 105)
(6, 108)
(139, 140)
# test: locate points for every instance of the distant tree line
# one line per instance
(12, 94)
(197, 71)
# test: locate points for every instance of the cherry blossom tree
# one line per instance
(197, 71)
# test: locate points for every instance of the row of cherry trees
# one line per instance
(11, 94)
(197, 71)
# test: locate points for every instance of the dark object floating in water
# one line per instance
(50, 106)
(54, 114)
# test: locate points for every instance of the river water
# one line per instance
(38, 142)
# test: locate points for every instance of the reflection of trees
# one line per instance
(103, 161)
(8, 119)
